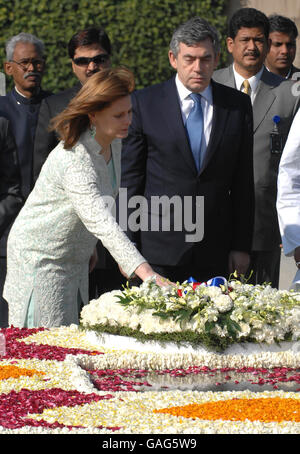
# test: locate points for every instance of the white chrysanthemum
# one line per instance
(213, 292)
(223, 303)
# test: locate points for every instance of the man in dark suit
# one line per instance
(90, 52)
(10, 200)
(282, 52)
(25, 63)
(206, 188)
(274, 107)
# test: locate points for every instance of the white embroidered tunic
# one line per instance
(288, 194)
(54, 235)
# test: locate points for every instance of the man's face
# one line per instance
(282, 52)
(84, 69)
(249, 49)
(195, 64)
(26, 68)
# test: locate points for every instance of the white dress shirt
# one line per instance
(186, 104)
(288, 195)
(253, 81)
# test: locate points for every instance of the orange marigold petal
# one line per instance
(16, 372)
(273, 409)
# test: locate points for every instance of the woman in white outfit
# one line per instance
(288, 197)
(54, 236)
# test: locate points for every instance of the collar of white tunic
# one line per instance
(89, 142)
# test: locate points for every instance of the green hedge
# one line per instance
(140, 31)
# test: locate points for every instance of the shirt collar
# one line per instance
(184, 92)
(21, 94)
(253, 81)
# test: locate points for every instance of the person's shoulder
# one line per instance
(6, 105)
(220, 71)
(271, 79)
(155, 89)
(46, 93)
(228, 95)
(287, 91)
(221, 74)
(5, 99)
(61, 98)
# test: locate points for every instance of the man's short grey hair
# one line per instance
(23, 38)
(193, 32)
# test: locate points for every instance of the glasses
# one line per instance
(36, 63)
(98, 60)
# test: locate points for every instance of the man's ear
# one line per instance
(230, 43)
(8, 68)
(73, 67)
(173, 60)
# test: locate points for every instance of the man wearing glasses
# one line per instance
(89, 51)
(25, 63)
(19, 110)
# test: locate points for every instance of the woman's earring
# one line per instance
(93, 130)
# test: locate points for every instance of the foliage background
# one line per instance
(140, 31)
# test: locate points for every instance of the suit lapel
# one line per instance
(220, 113)
(171, 112)
(173, 117)
(264, 98)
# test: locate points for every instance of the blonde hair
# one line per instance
(99, 92)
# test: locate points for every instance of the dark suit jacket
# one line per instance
(10, 180)
(274, 97)
(46, 140)
(22, 114)
(157, 160)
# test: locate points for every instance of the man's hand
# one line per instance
(238, 261)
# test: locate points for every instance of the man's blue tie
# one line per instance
(194, 127)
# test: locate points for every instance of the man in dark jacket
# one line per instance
(89, 51)
(188, 158)
(19, 108)
(282, 52)
(25, 63)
